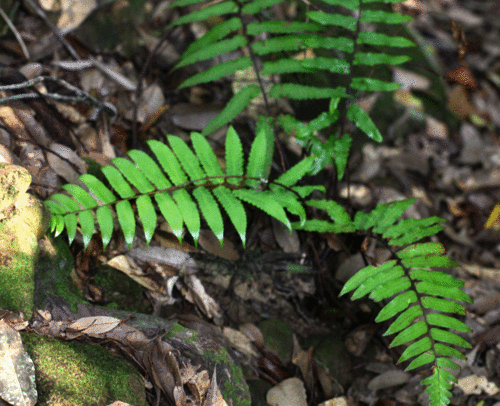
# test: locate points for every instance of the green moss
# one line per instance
(278, 336)
(71, 373)
(16, 278)
(122, 292)
(176, 328)
(53, 274)
(231, 389)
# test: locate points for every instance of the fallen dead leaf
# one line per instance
(290, 392)
(475, 385)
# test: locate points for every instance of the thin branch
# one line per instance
(138, 91)
(16, 34)
(59, 35)
(79, 97)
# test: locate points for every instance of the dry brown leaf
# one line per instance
(253, 333)
(290, 392)
(74, 12)
(463, 76)
(193, 117)
(214, 397)
(95, 326)
(63, 161)
(459, 103)
(389, 379)
(195, 293)
(128, 267)
(198, 385)
(289, 242)
(304, 360)
(239, 341)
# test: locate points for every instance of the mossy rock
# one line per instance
(54, 292)
(76, 374)
(23, 220)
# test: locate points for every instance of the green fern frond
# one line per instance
(212, 50)
(285, 38)
(334, 150)
(417, 296)
(381, 16)
(218, 71)
(277, 27)
(422, 300)
(256, 6)
(216, 33)
(303, 92)
(338, 20)
(183, 185)
(363, 121)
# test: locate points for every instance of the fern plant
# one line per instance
(354, 47)
(185, 184)
(419, 296)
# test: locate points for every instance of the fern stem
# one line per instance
(253, 57)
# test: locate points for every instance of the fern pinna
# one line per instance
(344, 44)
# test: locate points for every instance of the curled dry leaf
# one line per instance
(128, 267)
(63, 161)
(106, 327)
(253, 333)
(388, 379)
(198, 385)
(95, 326)
(214, 397)
(167, 256)
(193, 117)
(196, 294)
(289, 242)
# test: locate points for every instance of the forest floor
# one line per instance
(441, 144)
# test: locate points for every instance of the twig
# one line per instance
(16, 33)
(138, 91)
(55, 30)
(80, 95)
